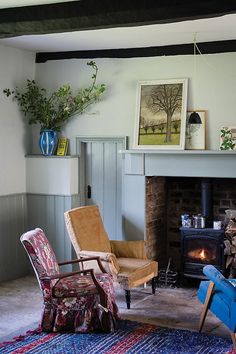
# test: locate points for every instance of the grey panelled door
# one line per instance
(103, 182)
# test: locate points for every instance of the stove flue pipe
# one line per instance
(206, 201)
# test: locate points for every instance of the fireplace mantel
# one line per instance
(179, 152)
(184, 163)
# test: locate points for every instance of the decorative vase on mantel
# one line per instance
(47, 141)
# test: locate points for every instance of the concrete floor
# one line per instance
(21, 302)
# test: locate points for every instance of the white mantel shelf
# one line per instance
(179, 152)
(181, 163)
(51, 156)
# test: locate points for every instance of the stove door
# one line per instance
(198, 250)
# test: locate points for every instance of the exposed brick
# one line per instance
(169, 197)
(225, 203)
(220, 195)
(222, 210)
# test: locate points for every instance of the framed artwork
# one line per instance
(196, 130)
(228, 138)
(160, 120)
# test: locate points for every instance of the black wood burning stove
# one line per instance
(200, 247)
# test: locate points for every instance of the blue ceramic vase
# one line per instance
(47, 142)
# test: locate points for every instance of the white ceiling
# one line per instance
(18, 3)
(206, 30)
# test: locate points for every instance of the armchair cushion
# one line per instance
(130, 249)
(77, 286)
(108, 260)
(93, 226)
(134, 272)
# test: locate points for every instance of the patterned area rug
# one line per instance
(131, 337)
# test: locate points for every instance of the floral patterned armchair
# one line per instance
(76, 301)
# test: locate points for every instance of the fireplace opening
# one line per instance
(167, 198)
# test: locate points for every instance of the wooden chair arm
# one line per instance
(81, 260)
(64, 275)
(69, 262)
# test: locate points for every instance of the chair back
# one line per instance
(41, 255)
(86, 229)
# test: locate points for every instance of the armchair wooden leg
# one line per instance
(153, 285)
(206, 304)
(233, 337)
(127, 298)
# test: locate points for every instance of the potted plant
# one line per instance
(51, 112)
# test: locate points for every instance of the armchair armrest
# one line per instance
(65, 275)
(220, 281)
(129, 249)
(72, 261)
(85, 260)
(101, 291)
(108, 260)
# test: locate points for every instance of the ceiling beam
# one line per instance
(96, 14)
(178, 49)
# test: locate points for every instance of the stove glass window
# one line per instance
(198, 250)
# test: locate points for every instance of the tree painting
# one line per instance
(161, 113)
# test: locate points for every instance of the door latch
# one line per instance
(89, 191)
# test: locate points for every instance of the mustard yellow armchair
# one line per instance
(126, 261)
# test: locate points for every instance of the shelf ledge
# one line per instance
(179, 152)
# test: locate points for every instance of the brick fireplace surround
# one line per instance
(169, 197)
(159, 186)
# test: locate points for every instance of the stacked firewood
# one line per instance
(230, 246)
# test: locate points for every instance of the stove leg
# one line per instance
(154, 285)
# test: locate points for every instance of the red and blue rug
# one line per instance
(131, 337)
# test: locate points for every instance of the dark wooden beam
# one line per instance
(181, 49)
(95, 14)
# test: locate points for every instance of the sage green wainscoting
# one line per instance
(22, 212)
(13, 222)
(47, 213)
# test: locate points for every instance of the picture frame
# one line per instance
(196, 133)
(228, 138)
(62, 146)
(160, 120)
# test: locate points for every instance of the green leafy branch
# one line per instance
(53, 111)
(227, 142)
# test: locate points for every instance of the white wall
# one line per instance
(214, 85)
(59, 177)
(15, 67)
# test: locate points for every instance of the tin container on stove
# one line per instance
(198, 221)
(186, 220)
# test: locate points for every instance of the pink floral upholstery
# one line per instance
(72, 301)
